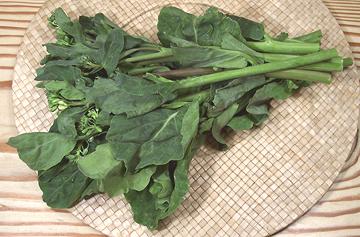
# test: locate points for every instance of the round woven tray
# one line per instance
(271, 175)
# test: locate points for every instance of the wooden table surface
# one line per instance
(22, 212)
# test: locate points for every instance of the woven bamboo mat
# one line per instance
(271, 175)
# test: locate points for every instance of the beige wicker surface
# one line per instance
(271, 175)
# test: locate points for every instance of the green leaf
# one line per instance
(104, 119)
(221, 121)
(111, 50)
(231, 43)
(206, 125)
(91, 189)
(143, 206)
(130, 95)
(53, 85)
(156, 137)
(99, 163)
(181, 181)
(63, 185)
(274, 90)
(210, 57)
(66, 121)
(69, 52)
(249, 29)
(64, 88)
(41, 150)
(206, 30)
(59, 17)
(240, 123)
(234, 90)
(174, 22)
(74, 29)
(115, 185)
(59, 73)
(211, 27)
(162, 186)
(72, 93)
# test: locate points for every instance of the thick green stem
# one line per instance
(142, 70)
(258, 69)
(273, 46)
(313, 37)
(347, 62)
(163, 52)
(185, 72)
(201, 95)
(292, 74)
(302, 75)
(166, 59)
(324, 67)
(334, 64)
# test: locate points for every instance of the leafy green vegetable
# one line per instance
(249, 29)
(116, 184)
(41, 150)
(130, 95)
(181, 181)
(59, 73)
(233, 91)
(63, 185)
(99, 163)
(66, 121)
(146, 215)
(240, 123)
(273, 90)
(207, 29)
(211, 57)
(221, 121)
(121, 134)
(156, 137)
(111, 50)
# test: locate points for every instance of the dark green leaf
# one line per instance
(206, 30)
(234, 90)
(111, 50)
(143, 206)
(162, 188)
(210, 57)
(91, 189)
(130, 95)
(249, 29)
(211, 27)
(231, 43)
(274, 90)
(59, 73)
(157, 137)
(99, 163)
(174, 22)
(206, 125)
(241, 123)
(115, 185)
(221, 121)
(41, 150)
(104, 118)
(62, 185)
(65, 122)
(71, 93)
(181, 185)
(59, 17)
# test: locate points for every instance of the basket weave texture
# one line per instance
(271, 175)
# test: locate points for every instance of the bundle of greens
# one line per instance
(132, 113)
